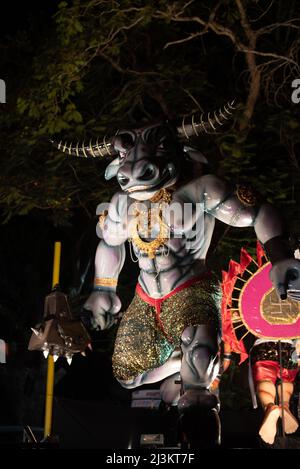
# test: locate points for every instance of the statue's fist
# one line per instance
(105, 306)
(285, 276)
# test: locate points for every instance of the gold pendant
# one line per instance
(150, 218)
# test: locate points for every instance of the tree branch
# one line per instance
(272, 27)
(216, 27)
(250, 34)
(125, 71)
(270, 54)
(185, 39)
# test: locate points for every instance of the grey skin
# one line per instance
(139, 172)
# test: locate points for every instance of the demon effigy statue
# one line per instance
(172, 325)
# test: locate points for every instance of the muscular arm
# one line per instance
(236, 208)
(233, 208)
(211, 195)
(110, 254)
(109, 260)
(241, 209)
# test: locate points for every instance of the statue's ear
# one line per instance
(112, 169)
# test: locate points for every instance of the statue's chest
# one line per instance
(147, 230)
(149, 242)
(171, 253)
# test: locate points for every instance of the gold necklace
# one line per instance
(163, 195)
(153, 215)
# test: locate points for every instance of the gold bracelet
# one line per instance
(102, 218)
(105, 282)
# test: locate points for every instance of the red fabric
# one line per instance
(260, 253)
(269, 370)
(229, 336)
(234, 269)
(157, 302)
(245, 260)
(228, 282)
(229, 279)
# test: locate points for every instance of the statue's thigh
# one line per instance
(196, 305)
(140, 344)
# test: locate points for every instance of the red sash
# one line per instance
(157, 302)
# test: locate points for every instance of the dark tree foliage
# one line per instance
(100, 64)
(77, 70)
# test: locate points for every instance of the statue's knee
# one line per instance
(204, 334)
(200, 363)
(206, 365)
(188, 335)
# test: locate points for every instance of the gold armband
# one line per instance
(105, 282)
(102, 218)
(246, 195)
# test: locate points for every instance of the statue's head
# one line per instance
(148, 159)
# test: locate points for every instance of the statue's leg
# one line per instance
(170, 367)
(200, 362)
(290, 422)
(170, 389)
(142, 353)
(198, 407)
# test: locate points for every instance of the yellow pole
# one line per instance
(56, 264)
(50, 371)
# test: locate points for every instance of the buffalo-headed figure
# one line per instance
(172, 326)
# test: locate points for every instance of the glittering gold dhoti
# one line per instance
(150, 329)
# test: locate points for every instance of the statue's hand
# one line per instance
(105, 306)
(285, 276)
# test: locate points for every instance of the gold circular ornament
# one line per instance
(246, 196)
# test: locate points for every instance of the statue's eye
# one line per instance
(161, 146)
(123, 143)
(126, 140)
